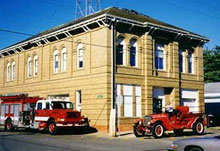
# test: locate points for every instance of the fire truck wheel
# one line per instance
(178, 132)
(52, 128)
(8, 125)
(137, 132)
(198, 128)
(157, 130)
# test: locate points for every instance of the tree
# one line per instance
(212, 65)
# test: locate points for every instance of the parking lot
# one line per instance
(93, 141)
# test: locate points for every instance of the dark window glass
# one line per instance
(47, 105)
(133, 56)
(119, 54)
(180, 62)
(159, 59)
(39, 106)
(190, 62)
(80, 64)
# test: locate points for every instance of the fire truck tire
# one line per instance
(198, 128)
(137, 132)
(52, 128)
(158, 130)
(8, 125)
(178, 132)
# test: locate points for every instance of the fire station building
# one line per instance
(157, 65)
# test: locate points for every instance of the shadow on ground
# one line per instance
(72, 131)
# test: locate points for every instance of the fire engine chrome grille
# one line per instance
(72, 115)
(147, 120)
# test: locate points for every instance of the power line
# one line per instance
(15, 32)
(192, 10)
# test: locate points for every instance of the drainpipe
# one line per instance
(112, 125)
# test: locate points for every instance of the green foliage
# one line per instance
(212, 65)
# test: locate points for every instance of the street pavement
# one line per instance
(92, 141)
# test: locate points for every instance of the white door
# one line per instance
(78, 100)
(190, 98)
(128, 100)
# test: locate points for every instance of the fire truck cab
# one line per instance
(21, 111)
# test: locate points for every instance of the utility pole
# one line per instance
(113, 116)
(86, 7)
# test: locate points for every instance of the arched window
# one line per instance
(160, 57)
(8, 71)
(55, 61)
(13, 70)
(29, 68)
(80, 55)
(35, 65)
(63, 60)
(120, 51)
(133, 53)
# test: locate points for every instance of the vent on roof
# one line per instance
(134, 12)
(130, 11)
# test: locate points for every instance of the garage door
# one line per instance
(190, 98)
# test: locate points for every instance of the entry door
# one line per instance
(157, 105)
(78, 100)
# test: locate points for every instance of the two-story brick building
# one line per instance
(158, 65)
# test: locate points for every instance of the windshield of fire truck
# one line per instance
(62, 105)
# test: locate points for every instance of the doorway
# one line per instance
(157, 105)
(78, 100)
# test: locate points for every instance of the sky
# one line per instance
(34, 16)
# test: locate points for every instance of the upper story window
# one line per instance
(133, 53)
(55, 61)
(63, 60)
(181, 61)
(35, 65)
(8, 71)
(160, 57)
(120, 52)
(29, 67)
(190, 63)
(13, 70)
(80, 55)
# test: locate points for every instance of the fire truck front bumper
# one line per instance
(70, 125)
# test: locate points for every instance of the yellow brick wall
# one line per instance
(94, 79)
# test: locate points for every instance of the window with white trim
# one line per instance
(181, 61)
(8, 71)
(159, 57)
(35, 65)
(55, 61)
(133, 53)
(121, 51)
(128, 100)
(190, 63)
(29, 67)
(13, 70)
(63, 60)
(138, 100)
(80, 55)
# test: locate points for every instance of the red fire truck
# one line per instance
(21, 111)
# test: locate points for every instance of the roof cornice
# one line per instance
(101, 20)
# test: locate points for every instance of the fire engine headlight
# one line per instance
(174, 146)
